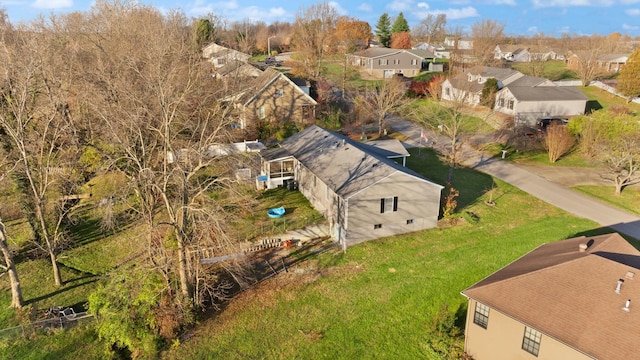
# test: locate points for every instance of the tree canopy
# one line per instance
(383, 30)
(400, 25)
(629, 78)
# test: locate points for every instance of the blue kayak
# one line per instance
(275, 212)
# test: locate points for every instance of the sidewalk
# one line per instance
(540, 186)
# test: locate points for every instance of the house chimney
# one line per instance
(626, 305)
(619, 286)
(583, 247)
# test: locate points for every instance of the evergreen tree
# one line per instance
(400, 25)
(383, 30)
(489, 91)
(629, 78)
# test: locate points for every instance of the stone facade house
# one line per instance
(273, 97)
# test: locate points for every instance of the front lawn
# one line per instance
(628, 200)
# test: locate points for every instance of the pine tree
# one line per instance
(629, 78)
(400, 25)
(383, 30)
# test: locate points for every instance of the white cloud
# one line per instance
(453, 14)
(365, 7)
(400, 5)
(339, 9)
(569, 3)
(52, 4)
(423, 5)
(632, 12)
(630, 27)
(532, 29)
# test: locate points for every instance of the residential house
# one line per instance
(573, 299)
(459, 43)
(606, 63)
(385, 63)
(612, 63)
(467, 86)
(236, 69)
(273, 97)
(219, 55)
(514, 53)
(439, 51)
(358, 188)
(530, 98)
(527, 98)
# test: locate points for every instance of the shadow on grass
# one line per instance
(61, 290)
(592, 105)
(470, 183)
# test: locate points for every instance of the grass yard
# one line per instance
(378, 299)
(553, 70)
(600, 99)
(628, 200)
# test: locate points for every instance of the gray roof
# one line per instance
(374, 52)
(387, 148)
(547, 93)
(527, 81)
(345, 165)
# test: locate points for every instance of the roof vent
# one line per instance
(583, 247)
(626, 305)
(619, 286)
(629, 275)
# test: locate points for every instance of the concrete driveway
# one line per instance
(554, 193)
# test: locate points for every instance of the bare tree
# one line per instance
(38, 124)
(157, 104)
(380, 99)
(431, 28)
(558, 141)
(313, 38)
(486, 34)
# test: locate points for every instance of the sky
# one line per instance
(520, 17)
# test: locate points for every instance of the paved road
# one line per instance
(523, 178)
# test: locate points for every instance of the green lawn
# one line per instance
(600, 99)
(377, 299)
(374, 301)
(552, 70)
(628, 200)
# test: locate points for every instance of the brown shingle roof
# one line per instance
(569, 295)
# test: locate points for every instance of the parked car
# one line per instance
(546, 121)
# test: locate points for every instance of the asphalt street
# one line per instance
(538, 186)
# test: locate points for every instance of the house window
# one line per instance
(501, 102)
(531, 341)
(396, 61)
(409, 221)
(383, 62)
(377, 226)
(481, 315)
(388, 204)
(414, 62)
(222, 61)
(510, 105)
(261, 113)
(279, 93)
(447, 92)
